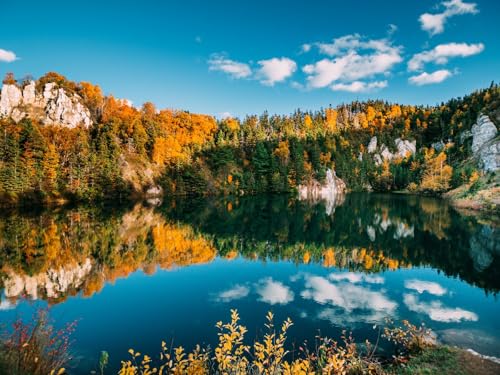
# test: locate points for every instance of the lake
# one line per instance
(134, 276)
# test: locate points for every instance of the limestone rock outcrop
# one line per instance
(404, 148)
(52, 106)
(331, 191)
(485, 144)
(372, 146)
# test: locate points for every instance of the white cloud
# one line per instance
(275, 70)
(7, 56)
(352, 58)
(236, 292)
(437, 312)
(355, 278)
(234, 68)
(198, 39)
(359, 86)
(425, 286)
(306, 47)
(434, 23)
(224, 115)
(274, 292)
(354, 42)
(392, 29)
(442, 52)
(347, 296)
(430, 78)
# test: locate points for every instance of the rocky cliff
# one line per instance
(331, 191)
(404, 148)
(485, 144)
(51, 105)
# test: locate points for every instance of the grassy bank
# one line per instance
(447, 360)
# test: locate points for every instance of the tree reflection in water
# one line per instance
(53, 255)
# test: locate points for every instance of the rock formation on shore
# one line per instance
(51, 106)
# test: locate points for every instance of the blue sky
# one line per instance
(244, 57)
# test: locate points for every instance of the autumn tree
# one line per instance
(50, 165)
(437, 174)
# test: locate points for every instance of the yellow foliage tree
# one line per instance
(331, 120)
(283, 152)
(437, 174)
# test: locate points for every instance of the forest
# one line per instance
(128, 150)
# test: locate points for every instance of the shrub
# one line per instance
(36, 348)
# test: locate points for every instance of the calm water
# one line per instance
(135, 276)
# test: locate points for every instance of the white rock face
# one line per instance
(10, 98)
(29, 93)
(372, 146)
(332, 191)
(490, 156)
(52, 107)
(484, 145)
(483, 131)
(54, 283)
(404, 147)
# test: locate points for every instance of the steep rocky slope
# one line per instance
(51, 105)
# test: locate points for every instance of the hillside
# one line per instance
(66, 141)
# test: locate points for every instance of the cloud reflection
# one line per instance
(350, 303)
(274, 292)
(356, 278)
(425, 286)
(234, 293)
(437, 311)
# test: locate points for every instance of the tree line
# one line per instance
(128, 149)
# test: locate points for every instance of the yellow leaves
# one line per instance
(232, 124)
(232, 356)
(298, 367)
(183, 133)
(308, 121)
(368, 262)
(230, 350)
(331, 120)
(269, 354)
(50, 164)
(92, 95)
(283, 152)
(229, 178)
(178, 245)
(395, 111)
(370, 113)
(231, 255)
(407, 124)
(437, 174)
(179, 363)
(474, 177)
(329, 258)
(306, 257)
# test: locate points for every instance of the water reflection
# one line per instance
(373, 257)
(56, 255)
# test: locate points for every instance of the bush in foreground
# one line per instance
(270, 356)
